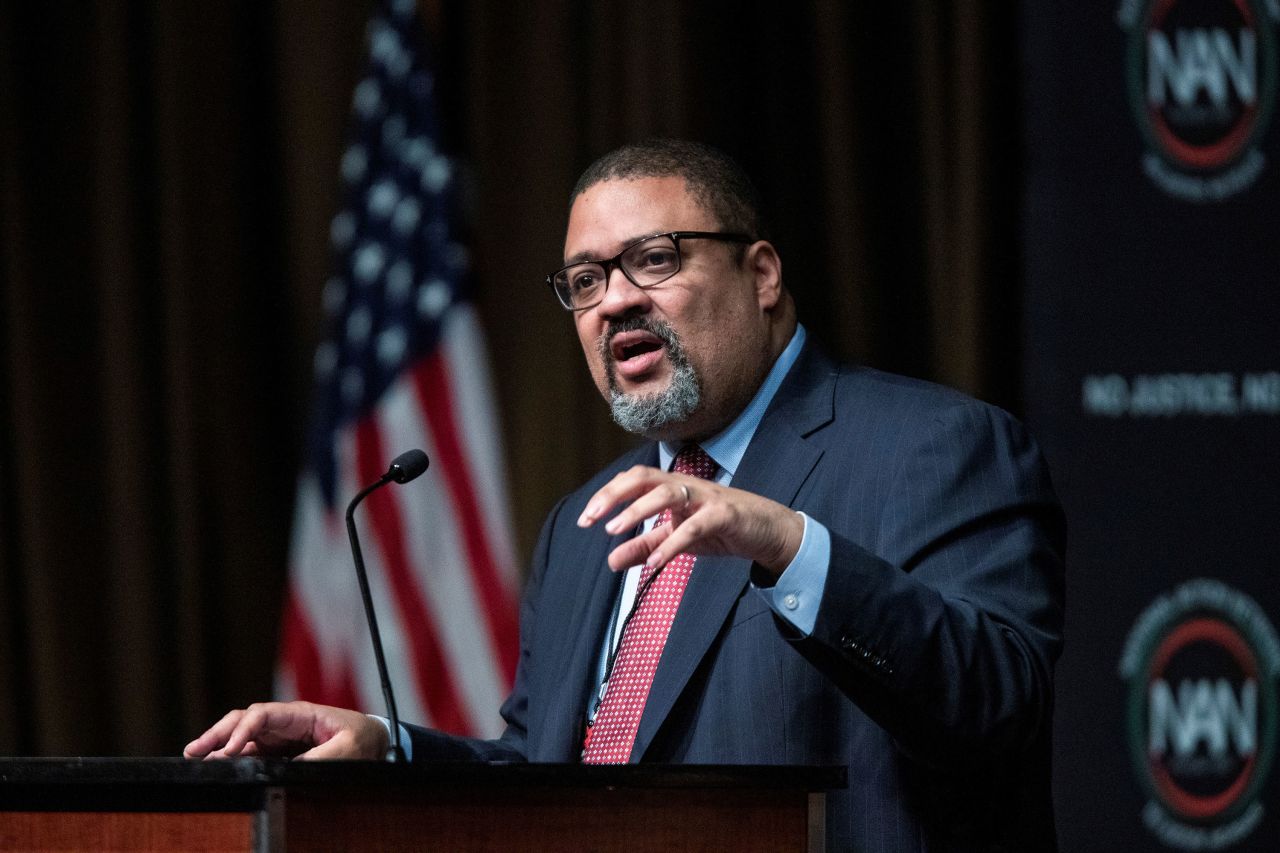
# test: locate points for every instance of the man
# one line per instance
(845, 567)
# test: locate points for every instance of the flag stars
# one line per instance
(382, 199)
(398, 64)
(397, 265)
(436, 174)
(369, 261)
(391, 346)
(383, 43)
(433, 298)
(407, 216)
(417, 152)
(385, 48)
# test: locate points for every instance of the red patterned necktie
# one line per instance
(613, 731)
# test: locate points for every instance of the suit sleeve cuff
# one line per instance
(406, 742)
(798, 593)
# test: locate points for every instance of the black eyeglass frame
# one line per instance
(616, 261)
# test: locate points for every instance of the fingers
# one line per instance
(650, 492)
(691, 535)
(699, 533)
(290, 728)
(664, 495)
(277, 728)
(214, 738)
(639, 549)
(628, 485)
(254, 722)
(706, 519)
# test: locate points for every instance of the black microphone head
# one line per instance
(408, 465)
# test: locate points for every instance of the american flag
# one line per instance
(402, 365)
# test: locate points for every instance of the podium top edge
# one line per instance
(259, 772)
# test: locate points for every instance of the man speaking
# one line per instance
(807, 564)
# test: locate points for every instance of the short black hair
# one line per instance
(713, 178)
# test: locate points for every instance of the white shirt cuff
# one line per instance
(406, 742)
(798, 593)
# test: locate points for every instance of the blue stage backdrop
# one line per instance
(1152, 262)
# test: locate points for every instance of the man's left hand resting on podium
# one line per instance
(293, 730)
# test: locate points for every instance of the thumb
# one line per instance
(339, 746)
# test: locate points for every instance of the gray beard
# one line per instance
(651, 413)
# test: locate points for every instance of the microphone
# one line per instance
(404, 468)
(408, 466)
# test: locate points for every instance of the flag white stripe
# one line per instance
(439, 559)
(477, 417)
(359, 649)
(410, 704)
(323, 578)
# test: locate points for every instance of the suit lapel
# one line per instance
(562, 728)
(776, 465)
(585, 624)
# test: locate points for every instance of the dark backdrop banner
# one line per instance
(1153, 381)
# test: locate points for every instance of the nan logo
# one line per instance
(1201, 665)
(1202, 81)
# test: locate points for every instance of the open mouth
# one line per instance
(636, 352)
(628, 345)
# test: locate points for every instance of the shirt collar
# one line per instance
(729, 446)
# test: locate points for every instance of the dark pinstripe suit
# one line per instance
(929, 671)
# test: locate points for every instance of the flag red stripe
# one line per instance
(343, 693)
(436, 398)
(300, 656)
(299, 652)
(435, 682)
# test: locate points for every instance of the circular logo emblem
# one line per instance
(1202, 79)
(1201, 665)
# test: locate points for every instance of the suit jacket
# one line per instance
(929, 670)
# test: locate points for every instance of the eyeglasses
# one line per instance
(646, 262)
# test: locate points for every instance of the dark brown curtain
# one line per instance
(168, 175)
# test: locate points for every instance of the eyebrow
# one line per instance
(586, 257)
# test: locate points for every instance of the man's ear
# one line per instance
(763, 261)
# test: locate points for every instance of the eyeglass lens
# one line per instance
(647, 263)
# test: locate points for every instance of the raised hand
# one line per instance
(706, 518)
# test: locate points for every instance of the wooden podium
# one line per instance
(247, 804)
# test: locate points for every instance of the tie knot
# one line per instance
(694, 461)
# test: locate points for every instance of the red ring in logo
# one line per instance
(1213, 631)
(1216, 154)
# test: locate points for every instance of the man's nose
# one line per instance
(623, 297)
